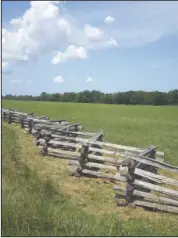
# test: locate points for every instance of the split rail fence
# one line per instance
(137, 172)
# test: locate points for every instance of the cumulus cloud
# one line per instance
(72, 52)
(93, 33)
(37, 31)
(44, 28)
(89, 79)
(58, 79)
(109, 19)
(112, 42)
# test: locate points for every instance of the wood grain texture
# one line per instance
(156, 206)
(155, 177)
(167, 191)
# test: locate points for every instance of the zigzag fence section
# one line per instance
(136, 172)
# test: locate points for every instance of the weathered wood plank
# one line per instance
(148, 196)
(67, 144)
(66, 152)
(48, 126)
(155, 177)
(116, 162)
(156, 206)
(18, 113)
(74, 133)
(152, 162)
(156, 188)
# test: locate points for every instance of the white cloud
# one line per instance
(37, 31)
(93, 33)
(29, 81)
(44, 28)
(112, 42)
(16, 81)
(109, 19)
(89, 79)
(72, 52)
(58, 79)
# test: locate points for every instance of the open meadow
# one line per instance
(41, 199)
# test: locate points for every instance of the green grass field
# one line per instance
(40, 199)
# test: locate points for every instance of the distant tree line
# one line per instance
(130, 97)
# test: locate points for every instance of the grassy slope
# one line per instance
(40, 199)
(130, 125)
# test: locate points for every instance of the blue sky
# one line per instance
(109, 46)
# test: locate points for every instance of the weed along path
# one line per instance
(92, 196)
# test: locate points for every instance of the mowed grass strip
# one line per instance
(40, 199)
(139, 126)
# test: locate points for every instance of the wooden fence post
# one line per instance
(153, 156)
(44, 151)
(97, 137)
(37, 137)
(10, 118)
(130, 180)
(76, 128)
(22, 121)
(82, 159)
(150, 152)
(126, 197)
(30, 126)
